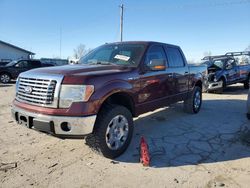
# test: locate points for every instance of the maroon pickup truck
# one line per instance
(100, 96)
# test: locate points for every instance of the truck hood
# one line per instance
(81, 70)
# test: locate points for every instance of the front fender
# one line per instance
(219, 75)
(108, 89)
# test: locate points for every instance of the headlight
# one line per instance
(74, 93)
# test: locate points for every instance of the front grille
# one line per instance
(36, 91)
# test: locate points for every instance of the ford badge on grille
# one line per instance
(28, 89)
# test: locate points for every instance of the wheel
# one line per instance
(5, 78)
(113, 131)
(246, 83)
(193, 103)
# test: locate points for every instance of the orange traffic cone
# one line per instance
(144, 159)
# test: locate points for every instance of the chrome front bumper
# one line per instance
(63, 126)
(214, 85)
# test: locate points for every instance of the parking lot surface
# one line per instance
(209, 149)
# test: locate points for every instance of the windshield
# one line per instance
(219, 64)
(11, 63)
(206, 62)
(118, 54)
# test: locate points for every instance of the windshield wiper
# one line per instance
(101, 63)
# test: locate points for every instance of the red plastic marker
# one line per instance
(144, 159)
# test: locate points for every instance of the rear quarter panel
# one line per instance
(197, 72)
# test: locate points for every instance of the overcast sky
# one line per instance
(218, 26)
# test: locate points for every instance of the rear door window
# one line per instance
(34, 64)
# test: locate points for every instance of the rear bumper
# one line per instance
(61, 126)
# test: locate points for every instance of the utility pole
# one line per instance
(121, 21)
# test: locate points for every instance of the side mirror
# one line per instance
(157, 65)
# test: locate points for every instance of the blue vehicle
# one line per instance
(228, 69)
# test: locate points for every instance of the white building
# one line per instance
(9, 52)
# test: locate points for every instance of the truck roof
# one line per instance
(227, 55)
(143, 42)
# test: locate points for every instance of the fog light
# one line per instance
(65, 127)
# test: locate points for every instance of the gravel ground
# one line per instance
(210, 149)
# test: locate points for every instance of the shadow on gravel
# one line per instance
(218, 133)
(8, 85)
(5, 85)
(234, 90)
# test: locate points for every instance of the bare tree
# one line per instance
(80, 51)
(245, 59)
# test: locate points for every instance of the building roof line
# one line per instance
(16, 47)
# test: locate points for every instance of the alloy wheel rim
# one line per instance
(5, 78)
(117, 132)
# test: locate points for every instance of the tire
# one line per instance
(246, 83)
(5, 78)
(105, 138)
(193, 104)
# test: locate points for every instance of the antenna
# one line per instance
(121, 21)
(60, 43)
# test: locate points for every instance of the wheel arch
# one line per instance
(120, 98)
(222, 78)
(199, 84)
(248, 75)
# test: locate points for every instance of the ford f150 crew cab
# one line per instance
(224, 70)
(100, 96)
